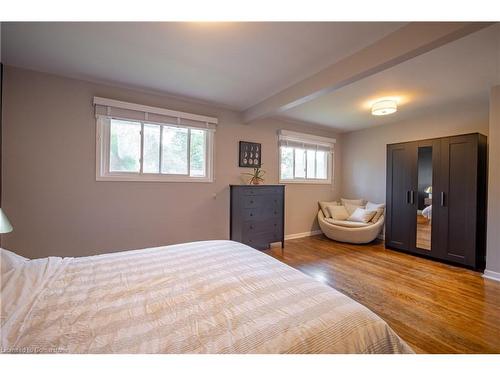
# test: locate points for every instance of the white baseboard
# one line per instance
(303, 234)
(491, 275)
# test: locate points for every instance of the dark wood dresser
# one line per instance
(258, 215)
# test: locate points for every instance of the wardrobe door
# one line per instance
(456, 195)
(424, 240)
(401, 167)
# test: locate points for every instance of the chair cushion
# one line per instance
(362, 215)
(351, 208)
(324, 205)
(347, 224)
(338, 212)
(354, 202)
(379, 207)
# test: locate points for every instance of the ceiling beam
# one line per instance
(409, 41)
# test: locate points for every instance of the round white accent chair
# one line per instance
(355, 235)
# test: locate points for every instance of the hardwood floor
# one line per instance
(424, 232)
(434, 307)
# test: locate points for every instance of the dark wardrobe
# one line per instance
(436, 198)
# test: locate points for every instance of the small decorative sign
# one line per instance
(250, 154)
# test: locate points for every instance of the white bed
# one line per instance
(200, 297)
(427, 212)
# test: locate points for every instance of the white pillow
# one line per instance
(379, 207)
(324, 207)
(361, 215)
(338, 212)
(352, 207)
(353, 202)
(11, 260)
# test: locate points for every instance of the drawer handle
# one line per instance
(251, 201)
(275, 224)
(275, 213)
(251, 214)
(251, 226)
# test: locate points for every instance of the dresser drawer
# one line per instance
(261, 213)
(261, 240)
(252, 191)
(251, 201)
(269, 225)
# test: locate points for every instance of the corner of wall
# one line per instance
(493, 220)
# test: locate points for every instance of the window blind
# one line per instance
(305, 141)
(130, 111)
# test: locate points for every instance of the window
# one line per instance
(143, 150)
(305, 158)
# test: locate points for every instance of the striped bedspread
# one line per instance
(200, 297)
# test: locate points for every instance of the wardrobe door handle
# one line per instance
(408, 197)
(412, 199)
(442, 199)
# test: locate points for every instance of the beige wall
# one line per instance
(364, 151)
(493, 239)
(57, 207)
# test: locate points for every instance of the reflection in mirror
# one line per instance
(424, 198)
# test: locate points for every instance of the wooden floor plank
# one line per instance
(435, 307)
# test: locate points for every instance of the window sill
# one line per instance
(306, 182)
(154, 178)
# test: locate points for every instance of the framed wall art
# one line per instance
(250, 154)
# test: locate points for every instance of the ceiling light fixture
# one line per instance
(384, 107)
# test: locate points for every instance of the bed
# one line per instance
(199, 297)
(427, 212)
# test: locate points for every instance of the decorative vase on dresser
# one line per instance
(257, 215)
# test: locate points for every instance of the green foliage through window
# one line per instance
(166, 149)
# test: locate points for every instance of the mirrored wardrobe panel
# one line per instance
(424, 198)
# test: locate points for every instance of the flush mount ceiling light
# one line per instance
(384, 107)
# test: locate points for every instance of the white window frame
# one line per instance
(102, 155)
(310, 140)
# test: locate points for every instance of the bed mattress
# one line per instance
(200, 297)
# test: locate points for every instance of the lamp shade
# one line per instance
(384, 107)
(428, 190)
(5, 226)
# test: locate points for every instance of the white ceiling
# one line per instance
(462, 71)
(237, 65)
(233, 64)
